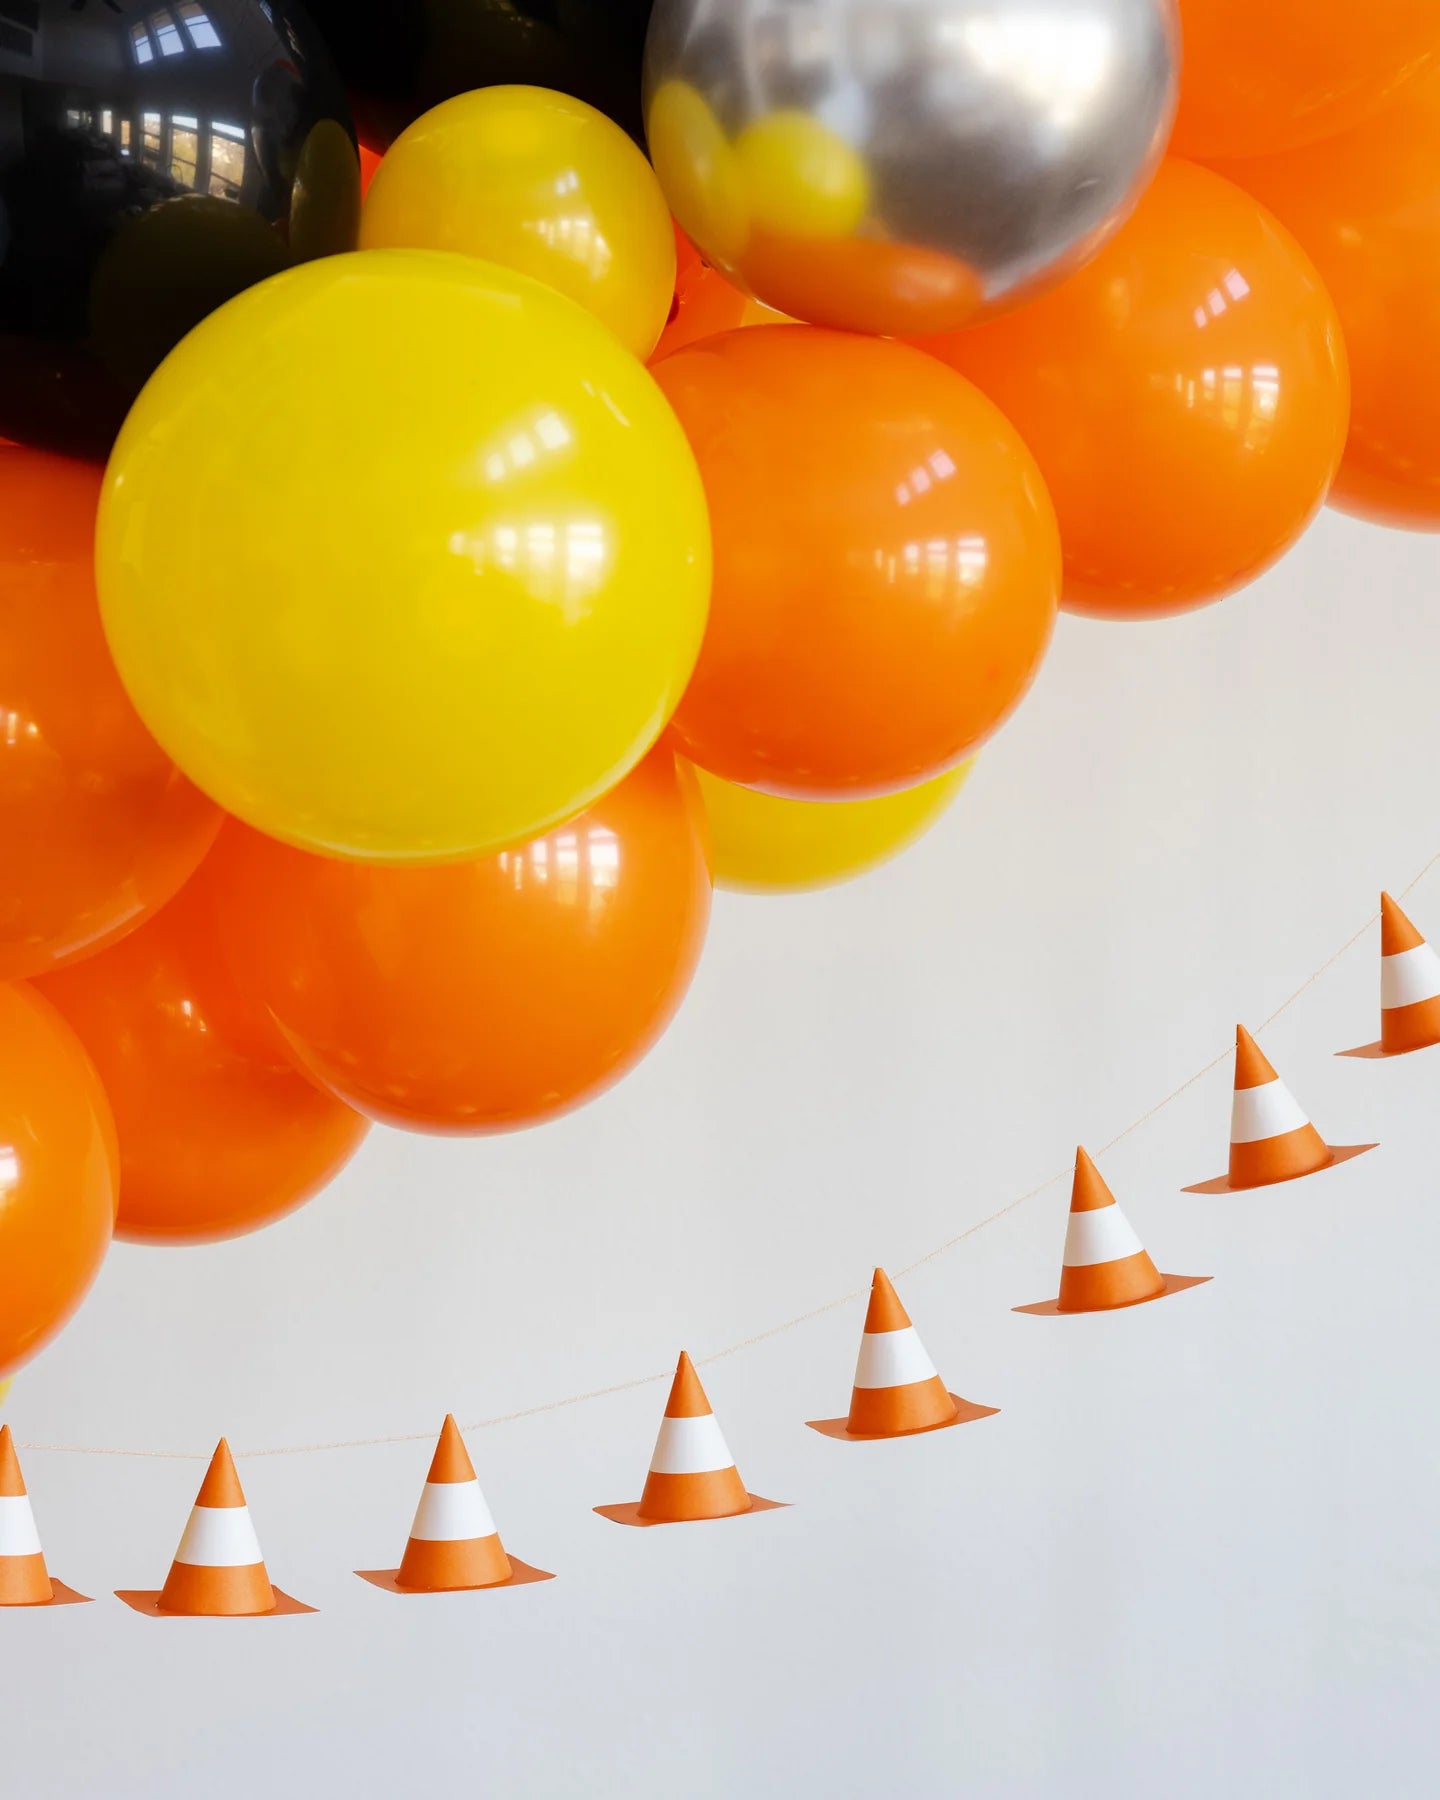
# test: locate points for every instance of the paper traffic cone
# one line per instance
(24, 1579)
(218, 1571)
(897, 1392)
(692, 1473)
(1409, 988)
(1271, 1137)
(453, 1544)
(1105, 1265)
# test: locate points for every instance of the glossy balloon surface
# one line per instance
(58, 1174)
(98, 827)
(1366, 205)
(705, 303)
(401, 57)
(762, 845)
(486, 996)
(482, 576)
(157, 160)
(1185, 397)
(541, 183)
(902, 166)
(886, 562)
(219, 1133)
(1258, 79)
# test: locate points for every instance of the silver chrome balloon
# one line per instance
(906, 165)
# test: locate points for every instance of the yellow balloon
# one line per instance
(4, 1391)
(698, 168)
(402, 557)
(802, 179)
(541, 183)
(763, 845)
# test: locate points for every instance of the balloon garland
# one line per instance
(513, 535)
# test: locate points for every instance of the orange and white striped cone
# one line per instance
(897, 1392)
(1105, 1266)
(453, 1546)
(1409, 988)
(24, 1579)
(1271, 1137)
(218, 1571)
(692, 1473)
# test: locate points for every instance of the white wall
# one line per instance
(1195, 1555)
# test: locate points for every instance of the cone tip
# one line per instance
(451, 1461)
(1397, 933)
(221, 1486)
(886, 1311)
(687, 1395)
(12, 1482)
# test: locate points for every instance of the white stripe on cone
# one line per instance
(690, 1447)
(1100, 1236)
(450, 1512)
(892, 1359)
(18, 1536)
(219, 1537)
(1409, 976)
(1265, 1112)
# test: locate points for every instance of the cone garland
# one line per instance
(897, 1389)
(1271, 1137)
(1409, 985)
(24, 1579)
(218, 1570)
(692, 1473)
(1105, 1265)
(453, 1542)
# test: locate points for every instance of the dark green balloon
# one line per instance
(155, 160)
(401, 57)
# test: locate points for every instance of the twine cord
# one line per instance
(788, 1325)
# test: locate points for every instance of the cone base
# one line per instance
(966, 1412)
(60, 1595)
(521, 1575)
(629, 1513)
(1174, 1284)
(1222, 1184)
(1377, 1052)
(147, 1601)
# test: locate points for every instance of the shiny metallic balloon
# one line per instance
(906, 166)
(155, 160)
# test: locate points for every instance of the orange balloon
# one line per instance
(1185, 396)
(369, 166)
(483, 996)
(1266, 75)
(58, 1172)
(98, 827)
(705, 304)
(886, 562)
(1366, 206)
(219, 1132)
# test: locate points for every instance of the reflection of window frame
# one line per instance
(140, 34)
(183, 124)
(195, 19)
(157, 159)
(219, 131)
(165, 30)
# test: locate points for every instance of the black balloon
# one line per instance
(401, 57)
(155, 160)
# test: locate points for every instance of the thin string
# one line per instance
(805, 1318)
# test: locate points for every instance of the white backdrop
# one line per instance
(1195, 1554)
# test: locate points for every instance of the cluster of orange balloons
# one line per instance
(470, 605)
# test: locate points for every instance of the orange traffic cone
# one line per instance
(897, 1392)
(1271, 1137)
(692, 1473)
(1105, 1265)
(453, 1544)
(1409, 988)
(218, 1571)
(24, 1579)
